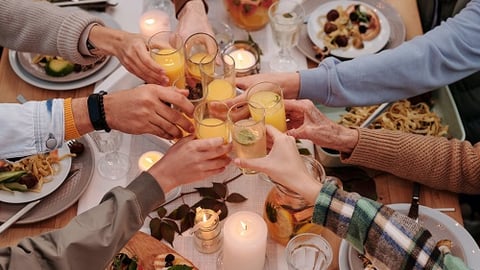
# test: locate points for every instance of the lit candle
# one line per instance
(243, 59)
(244, 241)
(207, 230)
(153, 21)
(148, 159)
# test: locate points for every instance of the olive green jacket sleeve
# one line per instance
(91, 239)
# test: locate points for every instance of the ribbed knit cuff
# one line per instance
(149, 193)
(71, 131)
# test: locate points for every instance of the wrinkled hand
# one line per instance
(307, 122)
(143, 110)
(191, 160)
(283, 164)
(134, 56)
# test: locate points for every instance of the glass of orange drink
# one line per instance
(270, 96)
(211, 120)
(166, 48)
(219, 79)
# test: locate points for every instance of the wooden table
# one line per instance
(390, 189)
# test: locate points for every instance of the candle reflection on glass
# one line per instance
(147, 160)
(244, 242)
(153, 21)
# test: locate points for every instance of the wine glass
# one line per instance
(286, 17)
(114, 164)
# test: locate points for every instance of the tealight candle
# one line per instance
(147, 160)
(243, 59)
(246, 57)
(244, 241)
(207, 230)
(153, 21)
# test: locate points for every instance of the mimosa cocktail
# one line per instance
(219, 78)
(219, 89)
(166, 48)
(248, 134)
(270, 96)
(211, 120)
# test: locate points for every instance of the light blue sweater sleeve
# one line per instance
(444, 55)
(31, 128)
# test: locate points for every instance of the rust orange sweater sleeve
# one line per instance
(71, 131)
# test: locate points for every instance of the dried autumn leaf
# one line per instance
(187, 222)
(236, 198)
(168, 232)
(207, 192)
(155, 228)
(161, 212)
(220, 189)
(180, 212)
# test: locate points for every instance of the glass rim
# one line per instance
(299, 19)
(196, 35)
(243, 103)
(278, 89)
(196, 111)
(328, 252)
(177, 48)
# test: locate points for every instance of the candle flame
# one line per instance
(244, 225)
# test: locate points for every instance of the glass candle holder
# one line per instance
(246, 57)
(207, 231)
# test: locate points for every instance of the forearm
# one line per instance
(434, 161)
(363, 223)
(180, 5)
(91, 239)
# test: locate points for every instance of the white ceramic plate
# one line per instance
(25, 61)
(370, 47)
(440, 225)
(23, 197)
(50, 84)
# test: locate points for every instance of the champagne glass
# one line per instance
(114, 165)
(166, 48)
(286, 17)
(211, 120)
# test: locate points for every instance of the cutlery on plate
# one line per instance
(381, 108)
(413, 211)
(18, 215)
(30, 205)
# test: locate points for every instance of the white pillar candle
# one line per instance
(153, 21)
(243, 59)
(244, 241)
(147, 160)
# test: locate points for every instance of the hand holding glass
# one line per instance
(211, 120)
(166, 48)
(247, 128)
(270, 96)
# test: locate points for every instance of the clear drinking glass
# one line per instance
(308, 251)
(211, 120)
(166, 48)
(247, 130)
(114, 164)
(270, 96)
(219, 79)
(199, 48)
(223, 33)
(286, 17)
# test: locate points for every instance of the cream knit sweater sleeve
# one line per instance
(437, 162)
(28, 25)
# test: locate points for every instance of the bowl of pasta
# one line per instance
(433, 114)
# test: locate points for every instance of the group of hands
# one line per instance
(148, 108)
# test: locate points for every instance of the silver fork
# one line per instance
(413, 211)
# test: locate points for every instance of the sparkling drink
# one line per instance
(166, 48)
(219, 89)
(270, 96)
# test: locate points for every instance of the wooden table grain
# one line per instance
(390, 189)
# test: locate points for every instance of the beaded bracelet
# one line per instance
(96, 111)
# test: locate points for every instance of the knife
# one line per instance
(30, 205)
(18, 215)
(413, 212)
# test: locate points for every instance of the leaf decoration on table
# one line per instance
(182, 218)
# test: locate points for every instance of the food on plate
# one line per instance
(171, 261)
(348, 27)
(123, 261)
(56, 66)
(29, 173)
(402, 116)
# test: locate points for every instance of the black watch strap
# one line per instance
(96, 111)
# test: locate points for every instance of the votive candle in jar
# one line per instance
(246, 57)
(148, 159)
(207, 231)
